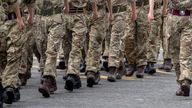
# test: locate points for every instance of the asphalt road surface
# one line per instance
(156, 91)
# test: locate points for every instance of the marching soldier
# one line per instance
(135, 44)
(51, 26)
(14, 31)
(118, 24)
(153, 40)
(98, 23)
(179, 39)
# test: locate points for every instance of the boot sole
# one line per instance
(10, 95)
(118, 77)
(69, 85)
(151, 72)
(90, 82)
(140, 76)
(44, 93)
(129, 74)
(111, 79)
(186, 90)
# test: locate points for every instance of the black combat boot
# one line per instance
(11, 95)
(72, 82)
(167, 65)
(61, 64)
(130, 70)
(184, 89)
(23, 79)
(150, 68)
(112, 74)
(1, 95)
(47, 86)
(140, 72)
(121, 70)
(92, 78)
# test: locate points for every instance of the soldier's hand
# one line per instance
(110, 17)
(95, 15)
(66, 10)
(20, 24)
(30, 20)
(150, 17)
(134, 17)
(164, 12)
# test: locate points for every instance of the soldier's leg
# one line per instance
(41, 40)
(173, 38)
(48, 84)
(27, 59)
(117, 33)
(185, 56)
(107, 42)
(105, 49)
(66, 46)
(130, 45)
(96, 36)
(16, 42)
(141, 39)
(3, 53)
(153, 42)
(79, 31)
(84, 52)
(167, 63)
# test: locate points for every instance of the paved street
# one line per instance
(156, 91)
(151, 92)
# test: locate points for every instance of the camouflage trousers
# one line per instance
(77, 24)
(179, 35)
(56, 32)
(154, 38)
(14, 43)
(37, 44)
(106, 42)
(136, 34)
(96, 37)
(116, 43)
(32, 47)
(164, 37)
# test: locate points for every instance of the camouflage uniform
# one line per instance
(14, 41)
(66, 46)
(179, 35)
(153, 40)
(117, 32)
(166, 54)
(38, 36)
(136, 36)
(76, 23)
(96, 36)
(3, 43)
(106, 42)
(52, 26)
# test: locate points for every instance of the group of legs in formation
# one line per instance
(122, 42)
(122, 47)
